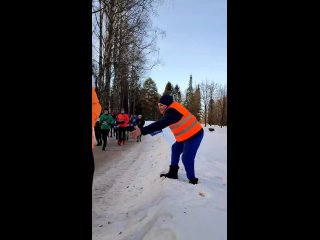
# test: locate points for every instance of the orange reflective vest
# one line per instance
(96, 110)
(187, 126)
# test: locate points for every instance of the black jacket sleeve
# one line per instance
(171, 116)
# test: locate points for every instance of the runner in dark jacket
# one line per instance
(140, 123)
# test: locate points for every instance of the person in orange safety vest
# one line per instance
(188, 133)
(96, 110)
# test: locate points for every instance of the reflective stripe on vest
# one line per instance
(187, 126)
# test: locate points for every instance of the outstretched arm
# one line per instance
(170, 117)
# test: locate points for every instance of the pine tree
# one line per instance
(196, 103)
(149, 100)
(211, 112)
(168, 89)
(176, 94)
(189, 95)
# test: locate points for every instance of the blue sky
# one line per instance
(195, 42)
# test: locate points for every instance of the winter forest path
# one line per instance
(120, 174)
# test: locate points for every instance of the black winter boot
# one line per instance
(193, 181)
(173, 172)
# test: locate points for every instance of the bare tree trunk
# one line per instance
(221, 105)
(205, 114)
(110, 13)
(124, 43)
(100, 76)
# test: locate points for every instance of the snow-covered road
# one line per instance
(131, 202)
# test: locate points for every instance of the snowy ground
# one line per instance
(131, 202)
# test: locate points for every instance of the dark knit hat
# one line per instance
(166, 100)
